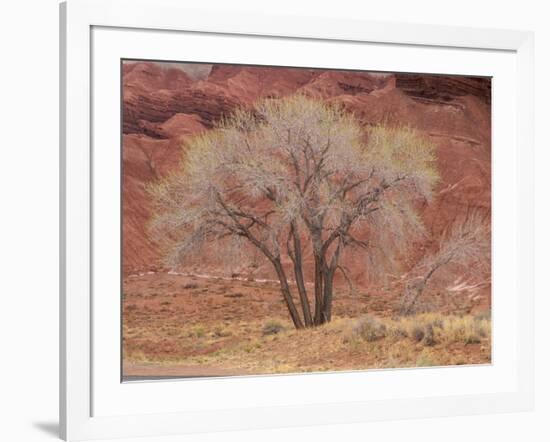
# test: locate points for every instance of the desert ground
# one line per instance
(181, 325)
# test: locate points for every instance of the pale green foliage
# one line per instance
(295, 160)
(402, 152)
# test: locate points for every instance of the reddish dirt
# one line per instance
(149, 371)
(200, 300)
(176, 325)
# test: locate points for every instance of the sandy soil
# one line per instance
(182, 325)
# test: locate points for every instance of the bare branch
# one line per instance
(294, 172)
(466, 245)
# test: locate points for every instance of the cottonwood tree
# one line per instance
(297, 176)
(464, 247)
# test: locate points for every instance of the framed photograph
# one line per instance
(285, 221)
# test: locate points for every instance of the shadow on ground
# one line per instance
(50, 428)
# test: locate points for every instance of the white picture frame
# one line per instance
(93, 405)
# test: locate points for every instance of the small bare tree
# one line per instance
(296, 176)
(466, 245)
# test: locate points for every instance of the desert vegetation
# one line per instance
(463, 249)
(295, 232)
(293, 174)
(200, 334)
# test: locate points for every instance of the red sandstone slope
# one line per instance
(162, 108)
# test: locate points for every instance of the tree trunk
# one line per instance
(299, 275)
(328, 275)
(285, 290)
(417, 292)
(328, 279)
(318, 290)
(407, 310)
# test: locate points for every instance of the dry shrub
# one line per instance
(197, 331)
(466, 247)
(272, 327)
(428, 329)
(429, 336)
(469, 330)
(425, 360)
(486, 314)
(220, 332)
(433, 328)
(418, 333)
(368, 328)
(397, 330)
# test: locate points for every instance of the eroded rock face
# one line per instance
(443, 88)
(142, 111)
(162, 108)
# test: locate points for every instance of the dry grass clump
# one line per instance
(424, 333)
(468, 329)
(431, 329)
(221, 332)
(271, 344)
(425, 360)
(272, 327)
(428, 329)
(197, 331)
(366, 328)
